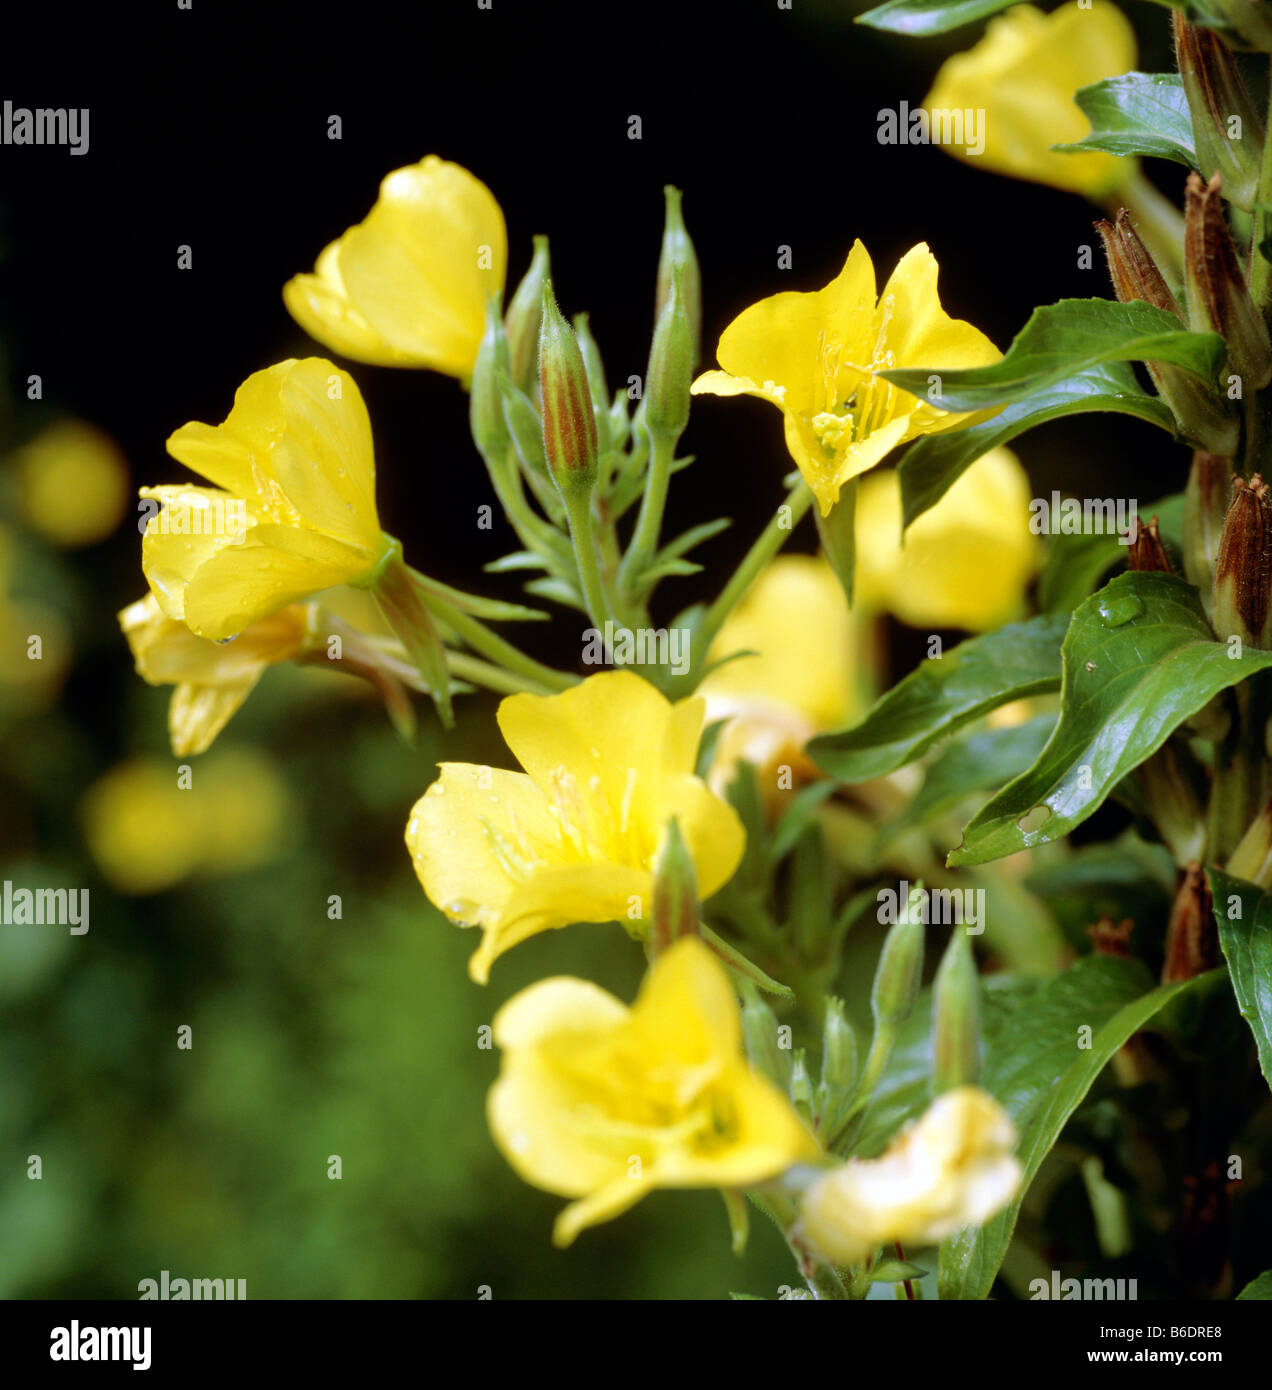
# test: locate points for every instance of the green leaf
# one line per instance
(929, 16)
(1037, 1070)
(894, 1271)
(979, 762)
(1139, 659)
(1140, 113)
(944, 694)
(1258, 1288)
(1247, 947)
(933, 464)
(1061, 340)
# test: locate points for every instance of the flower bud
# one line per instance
(839, 1050)
(1241, 606)
(1175, 798)
(1192, 939)
(896, 981)
(569, 425)
(670, 366)
(1203, 418)
(1134, 272)
(678, 254)
(1146, 552)
(759, 1031)
(675, 891)
(485, 406)
(956, 1017)
(801, 1088)
(1205, 506)
(595, 368)
(1227, 131)
(1218, 298)
(524, 317)
(1252, 858)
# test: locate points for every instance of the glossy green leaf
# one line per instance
(1243, 913)
(978, 763)
(1139, 660)
(1140, 113)
(1039, 1070)
(1061, 340)
(933, 464)
(1260, 1287)
(942, 695)
(929, 16)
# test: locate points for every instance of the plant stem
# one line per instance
(767, 544)
(652, 504)
(822, 1279)
(478, 636)
(578, 512)
(1260, 272)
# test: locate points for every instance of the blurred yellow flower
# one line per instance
(953, 1167)
(1023, 75)
(147, 833)
(35, 644)
(816, 356)
(804, 677)
(604, 1103)
(573, 838)
(965, 563)
(408, 286)
(212, 679)
(293, 510)
(73, 484)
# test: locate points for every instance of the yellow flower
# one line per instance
(407, 287)
(953, 1168)
(608, 763)
(212, 679)
(1022, 76)
(816, 357)
(965, 563)
(293, 510)
(147, 833)
(604, 1103)
(804, 675)
(73, 484)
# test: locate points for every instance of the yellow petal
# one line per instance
(421, 266)
(1022, 75)
(320, 304)
(197, 713)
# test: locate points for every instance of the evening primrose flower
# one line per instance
(408, 286)
(212, 679)
(1022, 75)
(817, 357)
(72, 483)
(293, 510)
(604, 1103)
(776, 698)
(965, 563)
(573, 838)
(954, 1167)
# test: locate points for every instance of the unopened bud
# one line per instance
(1241, 597)
(1203, 418)
(1252, 858)
(485, 406)
(1205, 507)
(670, 366)
(956, 1017)
(801, 1087)
(678, 254)
(1218, 297)
(759, 1032)
(524, 317)
(839, 1049)
(1192, 939)
(675, 891)
(595, 368)
(1146, 552)
(1227, 131)
(569, 425)
(896, 981)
